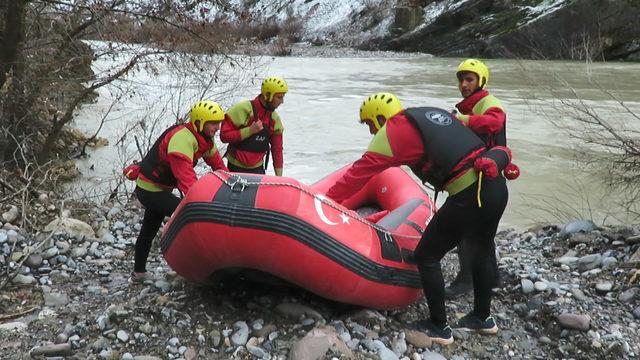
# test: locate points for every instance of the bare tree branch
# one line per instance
(68, 115)
(605, 142)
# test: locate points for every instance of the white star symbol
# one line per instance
(345, 218)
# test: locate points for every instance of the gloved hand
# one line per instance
(131, 172)
(511, 171)
(486, 166)
(463, 118)
(256, 127)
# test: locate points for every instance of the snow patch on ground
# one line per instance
(327, 17)
(318, 15)
(381, 30)
(321, 15)
(435, 9)
(543, 9)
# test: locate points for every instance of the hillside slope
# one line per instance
(552, 29)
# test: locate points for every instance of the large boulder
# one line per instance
(73, 227)
(584, 29)
(580, 29)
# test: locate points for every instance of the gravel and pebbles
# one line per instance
(568, 291)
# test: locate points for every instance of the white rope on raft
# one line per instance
(243, 183)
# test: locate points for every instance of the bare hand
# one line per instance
(256, 127)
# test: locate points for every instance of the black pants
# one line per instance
(157, 206)
(234, 168)
(460, 218)
(465, 257)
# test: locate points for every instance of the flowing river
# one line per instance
(322, 133)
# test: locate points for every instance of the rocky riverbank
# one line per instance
(568, 292)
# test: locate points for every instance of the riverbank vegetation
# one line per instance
(215, 35)
(46, 74)
(604, 142)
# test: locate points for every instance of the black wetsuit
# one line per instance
(459, 219)
(157, 205)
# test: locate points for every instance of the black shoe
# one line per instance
(458, 287)
(471, 322)
(437, 334)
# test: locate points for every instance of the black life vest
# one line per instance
(446, 142)
(259, 142)
(155, 170)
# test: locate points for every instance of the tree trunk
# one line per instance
(12, 12)
(12, 111)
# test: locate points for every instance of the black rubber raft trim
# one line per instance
(240, 215)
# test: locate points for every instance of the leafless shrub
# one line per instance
(605, 140)
(46, 70)
(221, 33)
(26, 184)
(281, 48)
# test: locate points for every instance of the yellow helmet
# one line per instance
(477, 67)
(384, 103)
(273, 85)
(205, 111)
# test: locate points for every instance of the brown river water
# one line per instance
(322, 133)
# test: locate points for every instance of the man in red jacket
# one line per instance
(168, 165)
(252, 127)
(484, 115)
(442, 151)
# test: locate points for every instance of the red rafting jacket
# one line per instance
(406, 146)
(483, 122)
(484, 115)
(178, 153)
(231, 132)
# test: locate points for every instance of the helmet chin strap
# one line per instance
(199, 128)
(479, 88)
(267, 104)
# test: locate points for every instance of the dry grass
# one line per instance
(205, 37)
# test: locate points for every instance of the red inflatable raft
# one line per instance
(287, 229)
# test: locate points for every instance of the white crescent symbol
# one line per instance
(317, 201)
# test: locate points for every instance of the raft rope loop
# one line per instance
(239, 180)
(479, 189)
(238, 184)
